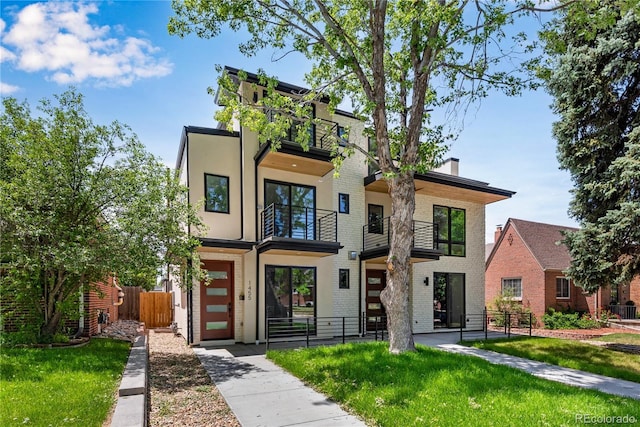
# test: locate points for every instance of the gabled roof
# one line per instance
(543, 241)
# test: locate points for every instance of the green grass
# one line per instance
(633, 339)
(570, 354)
(60, 386)
(432, 387)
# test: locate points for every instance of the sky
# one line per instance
(119, 55)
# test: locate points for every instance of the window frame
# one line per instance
(511, 279)
(206, 194)
(568, 281)
(290, 274)
(343, 278)
(345, 197)
(375, 228)
(449, 242)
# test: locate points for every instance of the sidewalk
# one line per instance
(263, 394)
(568, 376)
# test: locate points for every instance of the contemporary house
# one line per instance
(287, 239)
(527, 261)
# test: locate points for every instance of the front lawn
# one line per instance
(570, 354)
(622, 338)
(433, 387)
(60, 386)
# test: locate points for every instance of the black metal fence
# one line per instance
(298, 222)
(624, 311)
(312, 331)
(377, 233)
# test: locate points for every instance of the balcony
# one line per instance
(298, 230)
(293, 158)
(376, 240)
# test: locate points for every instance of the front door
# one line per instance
(216, 301)
(376, 282)
(448, 300)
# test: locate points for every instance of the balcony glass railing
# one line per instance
(377, 234)
(298, 222)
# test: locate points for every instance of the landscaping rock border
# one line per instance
(131, 408)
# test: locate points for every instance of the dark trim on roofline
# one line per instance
(453, 181)
(281, 87)
(226, 244)
(203, 131)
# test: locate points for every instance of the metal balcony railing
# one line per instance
(298, 222)
(377, 234)
(322, 134)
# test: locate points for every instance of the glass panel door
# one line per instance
(294, 209)
(448, 300)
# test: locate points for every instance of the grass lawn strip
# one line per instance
(433, 387)
(570, 354)
(60, 386)
(621, 338)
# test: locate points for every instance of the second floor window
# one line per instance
(216, 193)
(292, 209)
(451, 237)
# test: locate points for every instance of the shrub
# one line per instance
(557, 320)
(519, 314)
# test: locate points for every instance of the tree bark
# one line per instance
(395, 296)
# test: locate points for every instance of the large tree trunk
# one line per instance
(50, 325)
(395, 296)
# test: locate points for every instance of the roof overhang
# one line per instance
(287, 246)
(445, 186)
(293, 158)
(225, 246)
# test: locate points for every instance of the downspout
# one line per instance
(189, 277)
(255, 195)
(81, 320)
(241, 186)
(360, 294)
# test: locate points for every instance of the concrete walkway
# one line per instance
(263, 394)
(568, 376)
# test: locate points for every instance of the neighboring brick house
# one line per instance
(104, 299)
(528, 259)
(287, 239)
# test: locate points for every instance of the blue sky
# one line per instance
(120, 56)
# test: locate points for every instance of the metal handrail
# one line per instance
(298, 222)
(322, 133)
(378, 234)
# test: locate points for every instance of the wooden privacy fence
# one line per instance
(156, 309)
(130, 308)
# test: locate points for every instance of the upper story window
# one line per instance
(562, 287)
(343, 203)
(451, 224)
(512, 288)
(216, 193)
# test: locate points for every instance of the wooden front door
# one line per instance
(216, 301)
(376, 282)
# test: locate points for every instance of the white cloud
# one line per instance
(7, 89)
(59, 39)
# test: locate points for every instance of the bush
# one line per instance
(557, 320)
(519, 314)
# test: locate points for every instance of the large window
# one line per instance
(290, 291)
(451, 230)
(512, 288)
(216, 192)
(292, 209)
(562, 287)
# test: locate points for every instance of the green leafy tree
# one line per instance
(594, 76)
(396, 62)
(80, 202)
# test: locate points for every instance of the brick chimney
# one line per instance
(497, 233)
